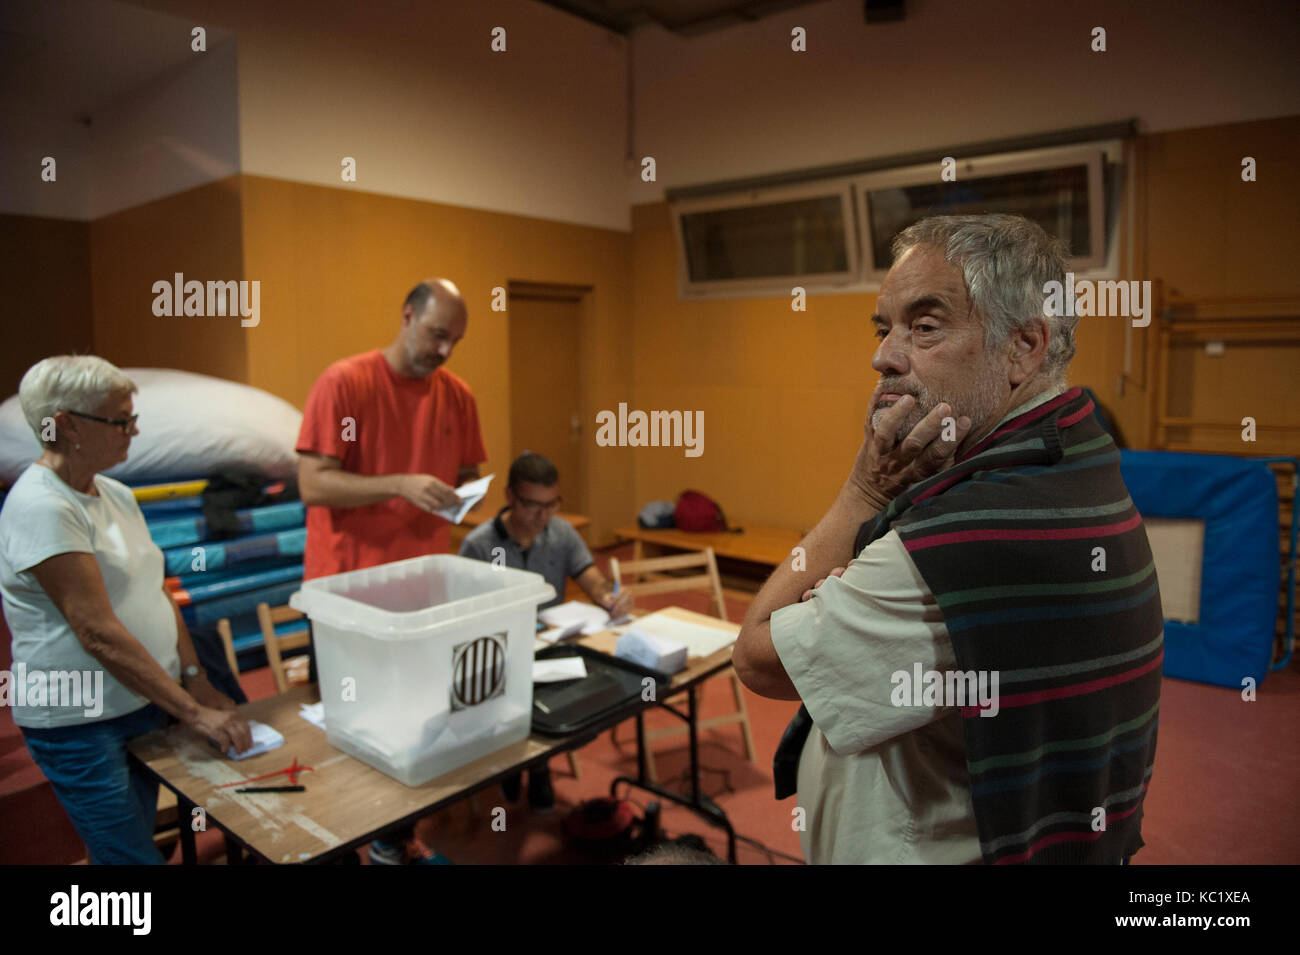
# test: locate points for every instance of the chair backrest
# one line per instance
(268, 617)
(661, 583)
(227, 644)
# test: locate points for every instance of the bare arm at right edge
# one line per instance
(323, 482)
(74, 585)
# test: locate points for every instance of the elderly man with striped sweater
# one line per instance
(974, 626)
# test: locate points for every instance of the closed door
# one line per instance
(545, 391)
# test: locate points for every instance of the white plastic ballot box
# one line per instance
(424, 664)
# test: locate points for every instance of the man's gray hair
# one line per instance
(68, 383)
(674, 853)
(1006, 260)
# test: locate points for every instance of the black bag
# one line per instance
(785, 764)
(229, 492)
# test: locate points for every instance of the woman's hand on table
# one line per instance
(226, 728)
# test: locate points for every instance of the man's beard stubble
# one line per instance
(979, 404)
(424, 365)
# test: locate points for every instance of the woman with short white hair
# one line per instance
(96, 634)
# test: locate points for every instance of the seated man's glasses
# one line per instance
(535, 506)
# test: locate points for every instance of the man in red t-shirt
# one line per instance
(386, 436)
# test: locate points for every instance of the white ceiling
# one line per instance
(64, 60)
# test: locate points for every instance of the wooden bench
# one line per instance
(759, 545)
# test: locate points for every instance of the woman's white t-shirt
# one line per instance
(42, 517)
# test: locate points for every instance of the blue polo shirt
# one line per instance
(557, 553)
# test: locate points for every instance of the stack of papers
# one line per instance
(700, 640)
(470, 494)
(265, 739)
(651, 650)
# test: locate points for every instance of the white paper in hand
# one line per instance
(469, 494)
(265, 739)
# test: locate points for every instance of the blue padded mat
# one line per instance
(240, 552)
(178, 531)
(215, 589)
(210, 611)
(1238, 501)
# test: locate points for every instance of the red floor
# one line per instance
(1226, 771)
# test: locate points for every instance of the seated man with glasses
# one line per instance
(527, 535)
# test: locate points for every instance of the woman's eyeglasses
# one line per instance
(125, 424)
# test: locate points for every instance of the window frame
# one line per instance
(1092, 156)
(775, 284)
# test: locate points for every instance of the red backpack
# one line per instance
(698, 512)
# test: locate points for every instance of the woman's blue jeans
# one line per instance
(112, 806)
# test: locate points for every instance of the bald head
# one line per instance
(437, 294)
(434, 319)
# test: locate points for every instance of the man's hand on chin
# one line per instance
(890, 461)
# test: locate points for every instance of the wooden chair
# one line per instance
(658, 582)
(228, 644)
(268, 618)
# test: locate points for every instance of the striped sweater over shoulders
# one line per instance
(1040, 564)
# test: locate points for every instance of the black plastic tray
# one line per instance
(611, 684)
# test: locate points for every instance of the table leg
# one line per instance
(701, 804)
(235, 852)
(640, 748)
(185, 820)
(694, 735)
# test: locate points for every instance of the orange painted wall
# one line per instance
(783, 393)
(1209, 232)
(336, 264)
(196, 233)
(45, 272)
(1212, 236)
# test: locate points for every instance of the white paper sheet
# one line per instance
(556, 634)
(313, 713)
(265, 739)
(564, 668)
(470, 494)
(573, 617)
(700, 640)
